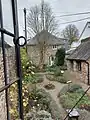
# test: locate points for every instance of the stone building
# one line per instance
(52, 44)
(79, 62)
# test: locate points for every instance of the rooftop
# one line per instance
(45, 35)
(82, 52)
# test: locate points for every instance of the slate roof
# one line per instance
(82, 52)
(52, 40)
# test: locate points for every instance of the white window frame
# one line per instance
(54, 47)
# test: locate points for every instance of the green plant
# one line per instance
(64, 67)
(52, 106)
(36, 78)
(50, 68)
(38, 115)
(61, 79)
(50, 77)
(63, 91)
(58, 72)
(13, 97)
(60, 56)
(27, 67)
(69, 97)
(69, 100)
(75, 88)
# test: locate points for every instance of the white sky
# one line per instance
(59, 7)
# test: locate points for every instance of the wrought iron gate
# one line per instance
(14, 34)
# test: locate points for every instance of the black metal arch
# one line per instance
(16, 37)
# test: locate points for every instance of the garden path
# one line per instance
(54, 92)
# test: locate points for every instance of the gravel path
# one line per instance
(53, 93)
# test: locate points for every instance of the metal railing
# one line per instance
(16, 38)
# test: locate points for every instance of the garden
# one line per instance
(38, 104)
(69, 96)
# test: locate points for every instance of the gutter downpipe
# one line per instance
(88, 72)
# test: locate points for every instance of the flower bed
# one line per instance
(60, 79)
(69, 97)
(46, 103)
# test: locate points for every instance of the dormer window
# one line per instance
(54, 46)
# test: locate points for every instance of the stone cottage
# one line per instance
(52, 44)
(79, 62)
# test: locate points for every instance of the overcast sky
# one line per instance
(59, 7)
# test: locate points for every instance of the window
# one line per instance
(54, 46)
(52, 58)
(79, 66)
(72, 65)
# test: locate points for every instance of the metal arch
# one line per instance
(4, 59)
(18, 61)
(16, 42)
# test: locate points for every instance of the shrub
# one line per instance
(60, 56)
(37, 78)
(69, 97)
(69, 100)
(61, 79)
(28, 68)
(64, 67)
(58, 72)
(63, 91)
(34, 78)
(49, 86)
(50, 77)
(71, 88)
(50, 68)
(52, 106)
(55, 111)
(75, 88)
(38, 115)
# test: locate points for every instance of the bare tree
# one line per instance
(41, 18)
(71, 33)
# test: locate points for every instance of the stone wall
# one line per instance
(34, 53)
(11, 63)
(11, 75)
(84, 75)
(80, 76)
(2, 94)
